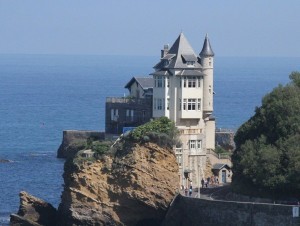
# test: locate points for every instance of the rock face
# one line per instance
(33, 212)
(225, 139)
(132, 187)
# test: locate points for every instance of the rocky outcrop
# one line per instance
(132, 187)
(75, 140)
(33, 212)
(225, 139)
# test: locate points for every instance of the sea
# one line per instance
(42, 95)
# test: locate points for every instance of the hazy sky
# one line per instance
(142, 27)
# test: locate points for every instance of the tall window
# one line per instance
(199, 82)
(158, 81)
(180, 104)
(159, 104)
(179, 159)
(192, 144)
(191, 104)
(192, 82)
(168, 104)
(199, 144)
(195, 144)
(131, 114)
(114, 114)
(199, 104)
(184, 104)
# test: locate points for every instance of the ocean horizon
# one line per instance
(42, 95)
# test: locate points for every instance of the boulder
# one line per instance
(33, 212)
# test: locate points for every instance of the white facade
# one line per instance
(183, 92)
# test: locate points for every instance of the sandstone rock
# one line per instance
(132, 187)
(33, 212)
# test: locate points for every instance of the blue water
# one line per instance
(42, 95)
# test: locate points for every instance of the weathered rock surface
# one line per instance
(33, 212)
(132, 187)
(225, 139)
(4, 161)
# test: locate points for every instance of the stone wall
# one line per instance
(192, 211)
(75, 136)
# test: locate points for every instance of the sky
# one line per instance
(142, 27)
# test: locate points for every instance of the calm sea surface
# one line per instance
(42, 95)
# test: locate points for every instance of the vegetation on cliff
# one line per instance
(161, 131)
(267, 155)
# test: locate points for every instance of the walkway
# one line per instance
(211, 193)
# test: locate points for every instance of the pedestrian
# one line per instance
(202, 183)
(190, 191)
(205, 182)
(208, 180)
(186, 191)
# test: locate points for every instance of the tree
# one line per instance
(267, 154)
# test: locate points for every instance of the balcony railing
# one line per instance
(128, 100)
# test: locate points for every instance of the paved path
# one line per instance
(212, 193)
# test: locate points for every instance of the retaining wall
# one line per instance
(197, 212)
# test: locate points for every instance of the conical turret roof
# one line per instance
(206, 50)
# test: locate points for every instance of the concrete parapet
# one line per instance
(75, 136)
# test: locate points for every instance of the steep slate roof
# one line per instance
(180, 52)
(220, 166)
(144, 82)
(206, 50)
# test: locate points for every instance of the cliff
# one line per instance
(131, 185)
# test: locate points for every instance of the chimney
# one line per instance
(165, 51)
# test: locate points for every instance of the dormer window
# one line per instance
(189, 59)
(166, 63)
(190, 63)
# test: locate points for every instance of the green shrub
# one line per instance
(161, 130)
(100, 147)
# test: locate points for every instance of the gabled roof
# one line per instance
(144, 82)
(206, 50)
(162, 73)
(220, 166)
(180, 52)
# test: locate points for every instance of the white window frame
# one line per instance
(199, 104)
(192, 144)
(191, 104)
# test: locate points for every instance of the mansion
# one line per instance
(180, 88)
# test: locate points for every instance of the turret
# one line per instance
(207, 61)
